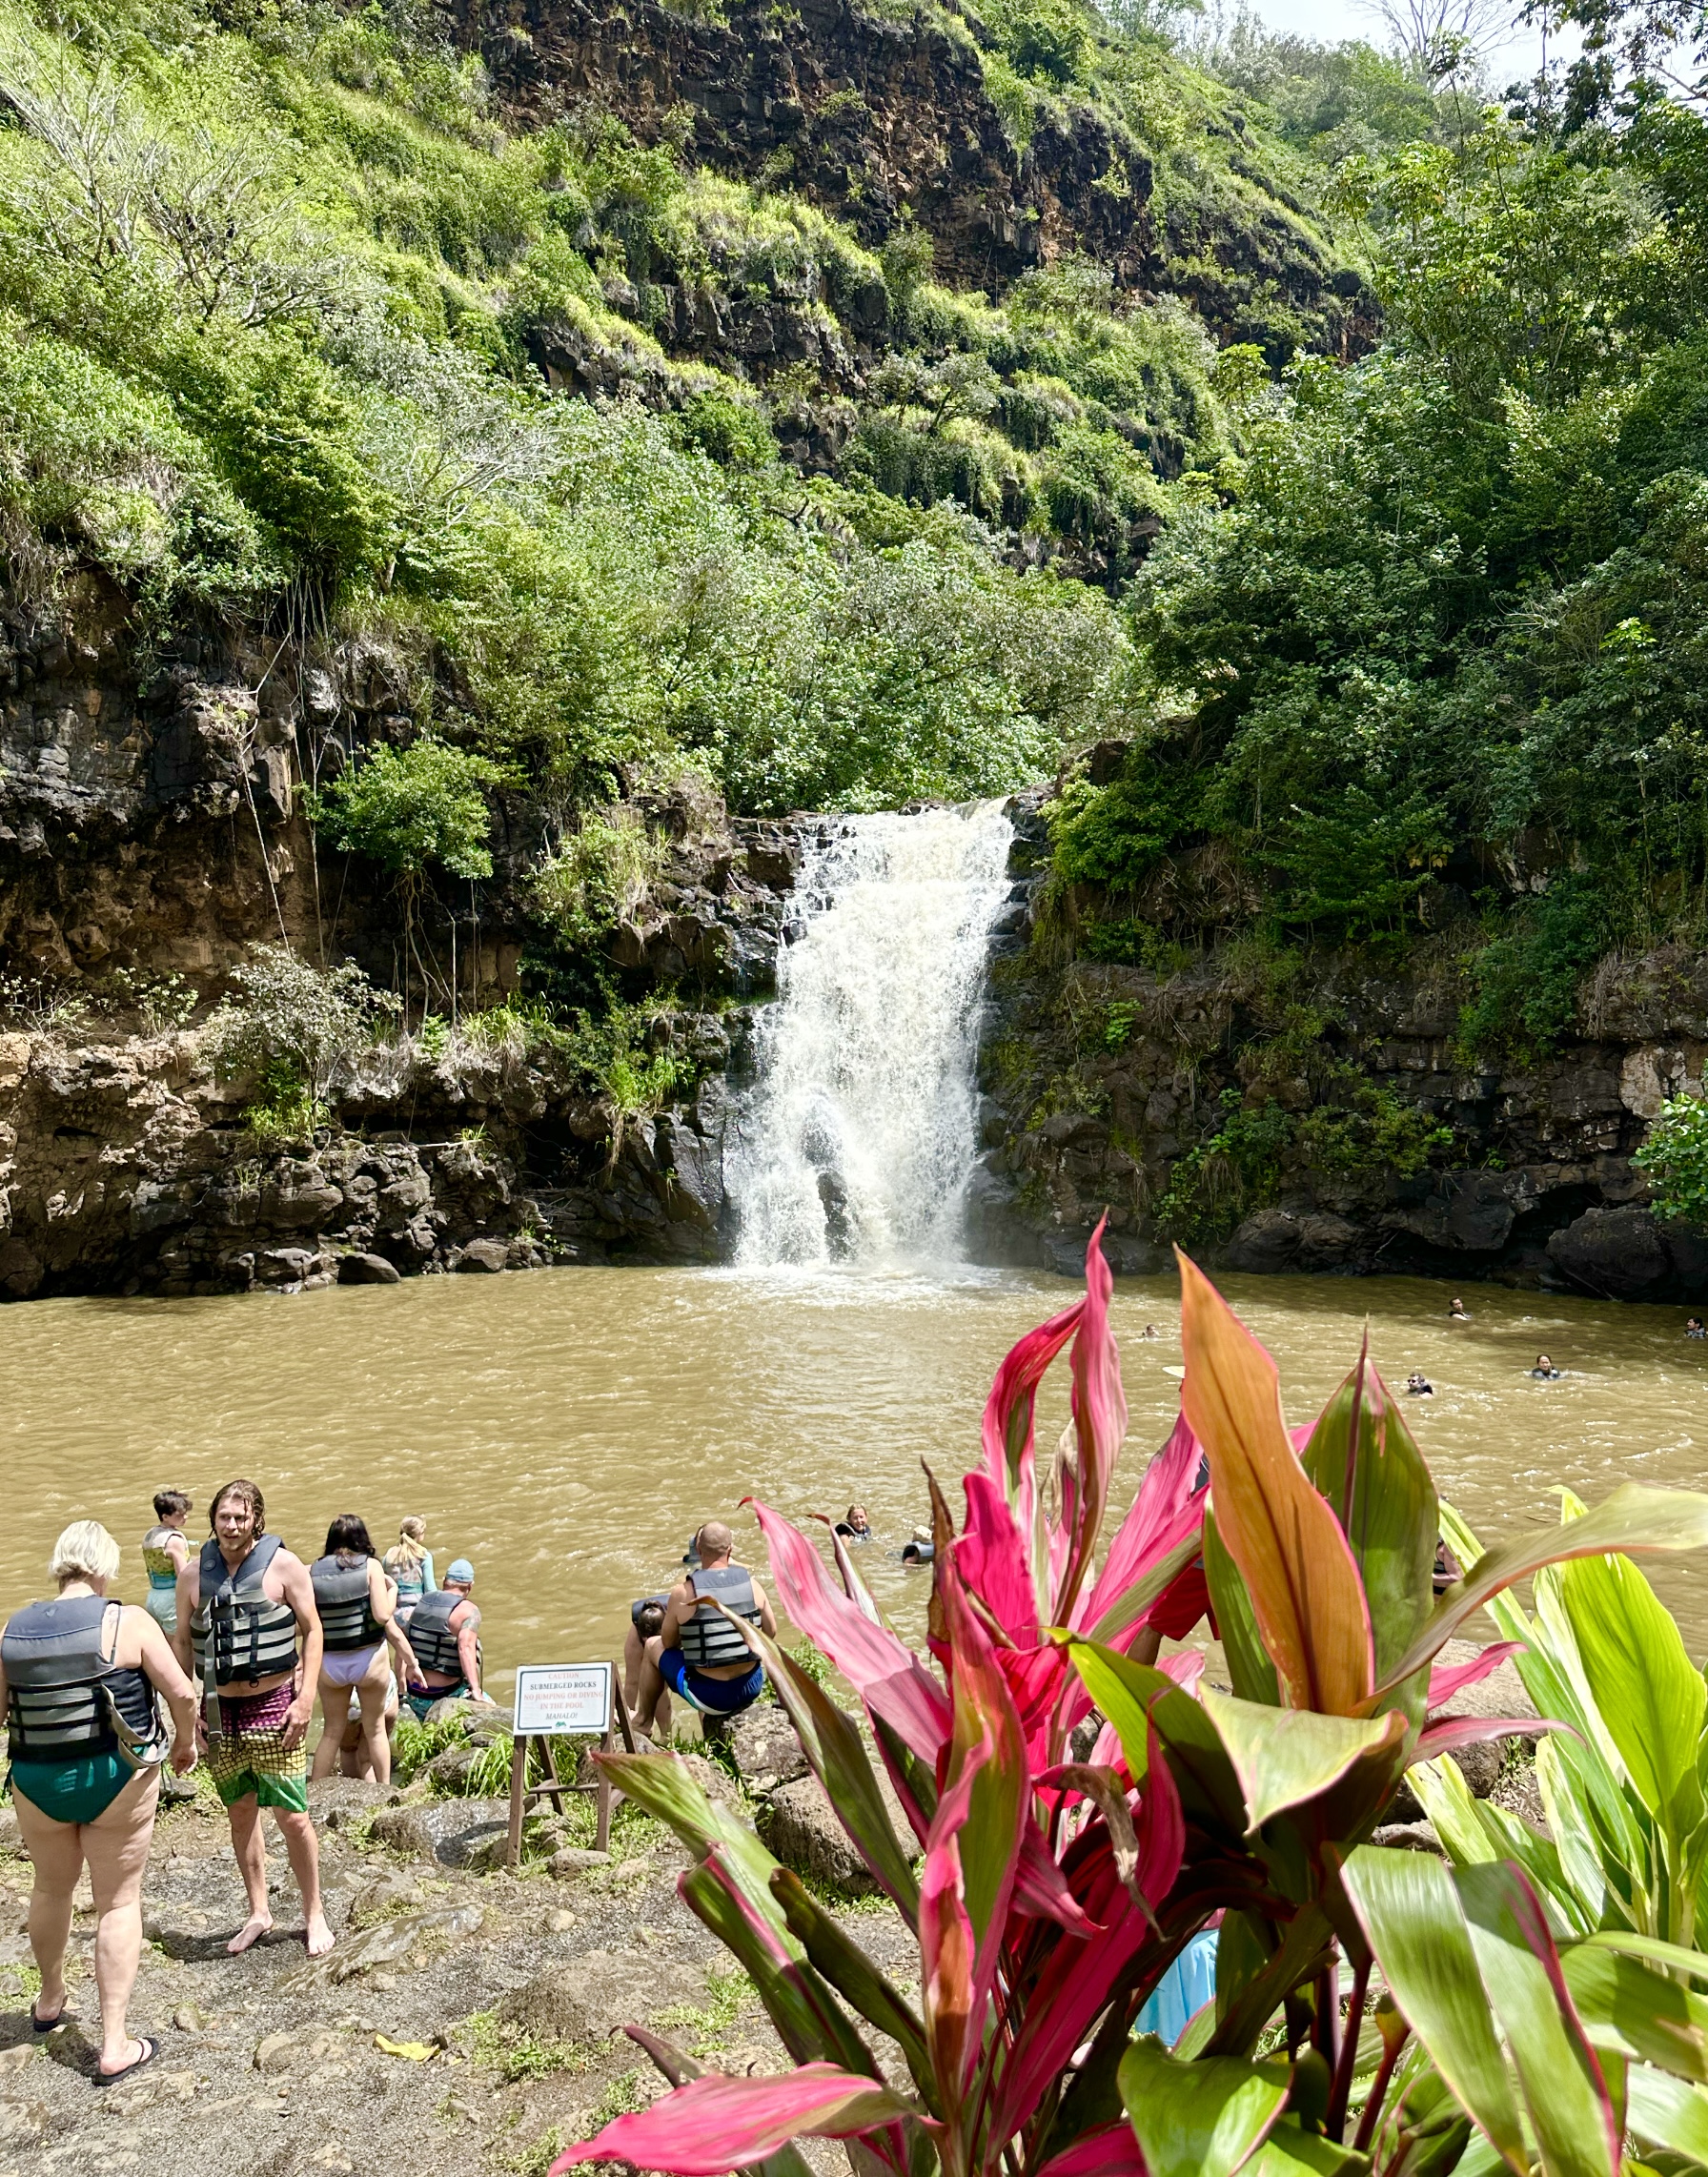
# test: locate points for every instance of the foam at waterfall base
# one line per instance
(856, 1143)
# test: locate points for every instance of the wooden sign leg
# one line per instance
(621, 1707)
(519, 1798)
(601, 1829)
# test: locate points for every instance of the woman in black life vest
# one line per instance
(79, 1678)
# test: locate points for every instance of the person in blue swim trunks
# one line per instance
(698, 1653)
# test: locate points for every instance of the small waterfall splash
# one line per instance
(858, 1138)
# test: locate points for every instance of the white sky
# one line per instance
(1329, 21)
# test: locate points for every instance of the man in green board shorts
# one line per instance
(244, 1602)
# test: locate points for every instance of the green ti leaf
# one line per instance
(1204, 2119)
(1285, 1755)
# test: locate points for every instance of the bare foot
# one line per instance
(252, 1931)
(319, 1936)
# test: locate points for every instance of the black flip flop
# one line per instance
(47, 2024)
(150, 2050)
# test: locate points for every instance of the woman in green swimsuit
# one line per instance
(79, 1677)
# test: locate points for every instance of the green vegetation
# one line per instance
(1674, 1157)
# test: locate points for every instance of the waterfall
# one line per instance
(858, 1137)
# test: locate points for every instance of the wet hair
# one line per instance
(348, 1537)
(170, 1503)
(246, 1493)
(650, 1619)
(85, 1551)
(410, 1549)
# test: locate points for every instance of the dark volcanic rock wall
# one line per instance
(1538, 1188)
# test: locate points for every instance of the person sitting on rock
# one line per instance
(646, 1621)
(1695, 1328)
(857, 1527)
(1419, 1385)
(244, 1603)
(165, 1553)
(697, 1653)
(1545, 1371)
(444, 1634)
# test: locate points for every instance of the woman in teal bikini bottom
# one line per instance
(79, 1678)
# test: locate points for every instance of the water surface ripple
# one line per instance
(568, 1430)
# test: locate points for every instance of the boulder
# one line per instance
(592, 1997)
(572, 1860)
(438, 1830)
(393, 1938)
(800, 1827)
(1480, 1764)
(763, 1743)
(484, 1255)
(367, 1269)
(1616, 1253)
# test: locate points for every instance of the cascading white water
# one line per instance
(858, 1138)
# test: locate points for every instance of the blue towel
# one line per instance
(1183, 1991)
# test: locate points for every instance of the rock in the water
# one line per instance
(484, 1255)
(763, 1745)
(367, 1269)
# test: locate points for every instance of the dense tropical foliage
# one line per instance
(1055, 1893)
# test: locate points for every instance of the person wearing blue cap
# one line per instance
(444, 1635)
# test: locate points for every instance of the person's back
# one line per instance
(699, 1653)
(410, 1564)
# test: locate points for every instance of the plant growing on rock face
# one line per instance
(1674, 1157)
(284, 1014)
(1055, 1893)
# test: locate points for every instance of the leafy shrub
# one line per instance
(413, 809)
(1673, 1157)
(596, 876)
(309, 1022)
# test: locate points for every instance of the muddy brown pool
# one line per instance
(568, 1430)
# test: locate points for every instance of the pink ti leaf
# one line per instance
(714, 2124)
(1448, 1678)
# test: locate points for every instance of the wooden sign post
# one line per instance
(561, 1700)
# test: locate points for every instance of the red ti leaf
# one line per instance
(1099, 1422)
(714, 2124)
(1109, 2152)
(885, 1674)
(1448, 1678)
(1296, 1561)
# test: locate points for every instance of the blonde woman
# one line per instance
(410, 1564)
(79, 1676)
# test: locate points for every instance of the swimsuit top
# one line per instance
(157, 1558)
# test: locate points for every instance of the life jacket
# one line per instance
(65, 1700)
(709, 1641)
(240, 1632)
(156, 1557)
(342, 1598)
(434, 1637)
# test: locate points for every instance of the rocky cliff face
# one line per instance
(875, 115)
(1100, 1078)
(151, 830)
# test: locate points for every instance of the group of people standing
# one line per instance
(84, 1676)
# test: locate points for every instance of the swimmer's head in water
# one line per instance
(714, 1540)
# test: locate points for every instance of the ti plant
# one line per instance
(1056, 1891)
